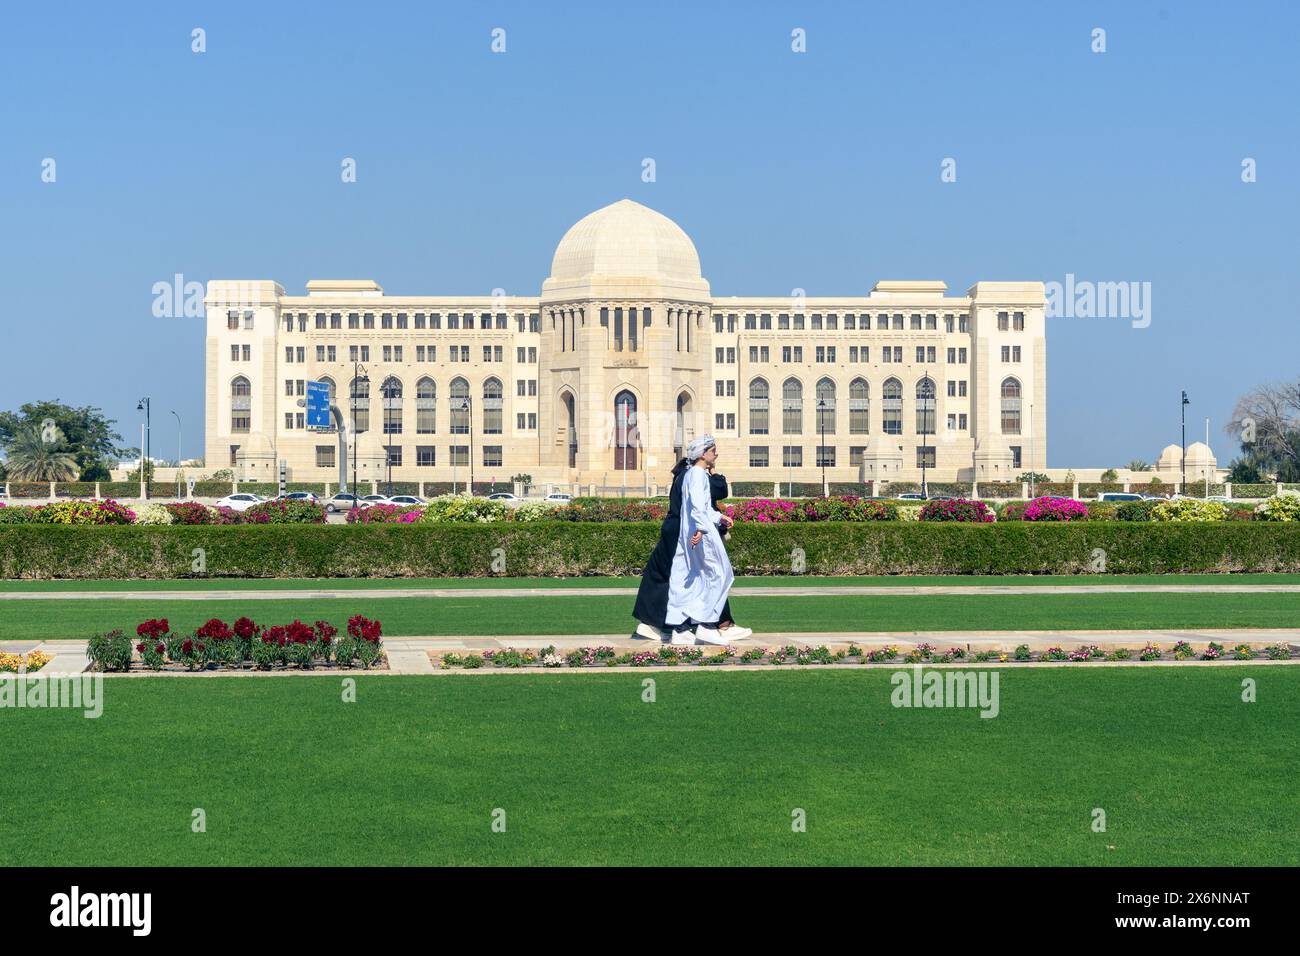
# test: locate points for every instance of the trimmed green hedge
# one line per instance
(574, 549)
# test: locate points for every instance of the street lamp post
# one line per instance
(1182, 488)
(469, 422)
(385, 392)
(143, 406)
(927, 412)
(357, 379)
(821, 450)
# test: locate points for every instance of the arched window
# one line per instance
(330, 388)
(459, 408)
(685, 424)
(391, 392)
(625, 431)
(825, 407)
(492, 406)
(426, 406)
(859, 407)
(758, 395)
(570, 416)
(792, 407)
(925, 406)
(241, 404)
(360, 400)
(1010, 406)
(891, 399)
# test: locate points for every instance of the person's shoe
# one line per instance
(735, 632)
(712, 635)
(650, 632)
(682, 639)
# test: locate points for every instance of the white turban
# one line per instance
(699, 446)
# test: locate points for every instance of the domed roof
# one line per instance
(626, 239)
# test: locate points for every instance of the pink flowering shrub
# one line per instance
(956, 509)
(1055, 509)
(386, 514)
(765, 511)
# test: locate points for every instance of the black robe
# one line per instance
(652, 596)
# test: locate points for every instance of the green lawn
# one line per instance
(709, 774)
(936, 580)
(54, 618)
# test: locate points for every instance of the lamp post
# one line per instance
(821, 449)
(178, 453)
(386, 392)
(927, 412)
(143, 406)
(1207, 463)
(469, 424)
(358, 377)
(1182, 487)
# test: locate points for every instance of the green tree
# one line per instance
(1110, 474)
(30, 457)
(1137, 464)
(89, 435)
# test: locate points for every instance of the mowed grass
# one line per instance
(710, 773)
(882, 581)
(578, 614)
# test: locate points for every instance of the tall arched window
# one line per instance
(758, 395)
(1010, 406)
(391, 392)
(625, 431)
(825, 406)
(426, 406)
(925, 406)
(459, 410)
(792, 407)
(360, 405)
(241, 404)
(859, 407)
(891, 400)
(492, 406)
(570, 416)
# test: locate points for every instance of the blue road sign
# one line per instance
(318, 405)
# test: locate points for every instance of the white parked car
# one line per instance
(503, 496)
(240, 502)
(406, 500)
(1119, 496)
(298, 496)
(558, 497)
(376, 499)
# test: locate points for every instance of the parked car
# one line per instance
(407, 500)
(911, 496)
(375, 499)
(1119, 496)
(298, 496)
(503, 496)
(241, 501)
(558, 497)
(344, 501)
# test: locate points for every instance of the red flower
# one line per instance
(325, 631)
(362, 628)
(187, 647)
(299, 633)
(160, 648)
(216, 629)
(245, 628)
(153, 628)
(140, 647)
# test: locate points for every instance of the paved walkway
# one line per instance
(798, 590)
(411, 655)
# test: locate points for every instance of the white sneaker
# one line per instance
(711, 635)
(682, 639)
(650, 632)
(736, 632)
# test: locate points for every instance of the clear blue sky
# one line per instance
(817, 170)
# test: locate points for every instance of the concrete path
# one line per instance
(810, 590)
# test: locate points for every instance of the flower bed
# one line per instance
(669, 656)
(20, 663)
(243, 645)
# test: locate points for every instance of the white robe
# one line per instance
(701, 576)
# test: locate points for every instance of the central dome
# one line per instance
(626, 239)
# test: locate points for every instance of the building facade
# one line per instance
(622, 359)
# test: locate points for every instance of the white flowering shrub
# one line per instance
(1281, 507)
(152, 514)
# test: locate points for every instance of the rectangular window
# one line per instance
(925, 456)
(288, 420)
(1018, 321)
(1015, 456)
(826, 456)
(352, 353)
(718, 419)
(856, 454)
(394, 455)
(325, 456)
(916, 320)
(288, 354)
(234, 353)
(397, 353)
(492, 456)
(426, 456)
(757, 456)
(368, 320)
(731, 421)
(386, 320)
(1015, 353)
(931, 321)
(460, 456)
(792, 456)
(1002, 322)
(354, 320)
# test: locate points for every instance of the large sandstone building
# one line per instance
(625, 356)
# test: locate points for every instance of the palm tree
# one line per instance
(29, 457)
(1137, 464)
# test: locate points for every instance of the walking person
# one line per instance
(701, 574)
(651, 607)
